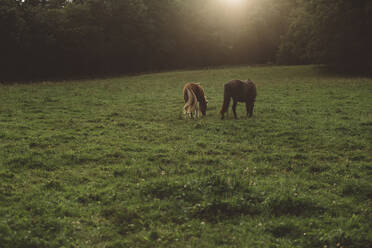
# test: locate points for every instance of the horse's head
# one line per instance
(203, 107)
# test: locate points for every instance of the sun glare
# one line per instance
(234, 2)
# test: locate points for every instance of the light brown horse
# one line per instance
(192, 104)
(198, 91)
(239, 91)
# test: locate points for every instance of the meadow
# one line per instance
(113, 163)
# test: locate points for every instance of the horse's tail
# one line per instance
(185, 95)
(191, 99)
(226, 100)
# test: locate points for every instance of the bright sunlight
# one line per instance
(233, 2)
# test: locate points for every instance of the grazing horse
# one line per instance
(239, 91)
(192, 104)
(198, 91)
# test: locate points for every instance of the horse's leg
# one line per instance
(188, 112)
(197, 110)
(248, 108)
(225, 104)
(251, 109)
(234, 108)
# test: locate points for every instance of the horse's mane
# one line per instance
(199, 92)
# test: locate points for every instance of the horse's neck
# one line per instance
(199, 95)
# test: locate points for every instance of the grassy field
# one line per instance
(113, 163)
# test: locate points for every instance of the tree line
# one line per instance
(68, 38)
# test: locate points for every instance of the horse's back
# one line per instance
(236, 89)
(240, 91)
(197, 89)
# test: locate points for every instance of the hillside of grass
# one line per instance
(113, 163)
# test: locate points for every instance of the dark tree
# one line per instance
(336, 32)
(63, 38)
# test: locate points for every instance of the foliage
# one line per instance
(113, 163)
(63, 39)
(337, 33)
(57, 38)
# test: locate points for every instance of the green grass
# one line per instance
(113, 163)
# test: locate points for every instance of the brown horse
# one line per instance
(197, 89)
(192, 104)
(239, 91)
